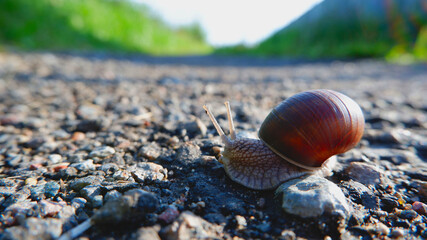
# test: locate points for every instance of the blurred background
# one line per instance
(395, 30)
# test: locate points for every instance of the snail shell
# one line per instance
(298, 137)
(310, 127)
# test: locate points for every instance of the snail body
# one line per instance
(298, 137)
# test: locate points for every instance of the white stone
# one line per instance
(313, 196)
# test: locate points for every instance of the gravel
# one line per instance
(119, 147)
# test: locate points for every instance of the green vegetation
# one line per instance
(88, 25)
(395, 30)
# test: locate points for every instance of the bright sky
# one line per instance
(228, 22)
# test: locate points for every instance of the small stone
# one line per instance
(190, 226)
(188, 153)
(35, 166)
(78, 202)
(313, 196)
(49, 208)
(169, 215)
(55, 158)
(422, 188)
(80, 183)
(121, 175)
(89, 192)
(288, 235)
(113, 194)
(360, 194)
(60, 134)
(133, 206)
(109, 168)
(397, 233)
(102, 152)
(21, 207)
(78, 136)
(51, 189)
(59, 167)
(84, 166)
(35, 228)
(150, 152)
(97, 201)
(382, 229)
(365, 173)
(420, 207)
(148, 172)
(408, 214)
(31, 181)
(89, 111)
(241, 222)
(389, 203)
(147, 233)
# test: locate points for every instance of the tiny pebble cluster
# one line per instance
(120, 147)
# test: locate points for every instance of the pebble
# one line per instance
(113, 194)
(55, 158)
(145, 233)
(35, 228)
(148, 172)
(169, 215)
(78, 136)
(397, 233)
(389, 203)
(150, 151)
(241, 222)
(408, 214)
(364, 173)
(287, 235)
(131, 207)
(313, 196)
(84, 166)
(49, 208)
(78, 202)
(51, 189)
(97, 201)
(31, 181)
(79, 183)
(122, 175)
(109, 168)
(190, 226)
(90, 191)
(382, 229)
(102, 152)
(21, 207)
(361, 194)
(188, 153)
(420, 208)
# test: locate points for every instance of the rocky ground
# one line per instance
(122, 146)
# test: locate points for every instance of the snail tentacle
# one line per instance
(230, 121)
(218, 128)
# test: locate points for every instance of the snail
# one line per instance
(298, 137)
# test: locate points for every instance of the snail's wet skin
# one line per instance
(77, 132)
(257, 167)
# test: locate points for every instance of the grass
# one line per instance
(393, 34)
(93, 25)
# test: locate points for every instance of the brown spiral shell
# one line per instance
(310, 127)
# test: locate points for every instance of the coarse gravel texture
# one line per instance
(124, 141)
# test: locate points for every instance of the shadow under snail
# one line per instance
(299, 136)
